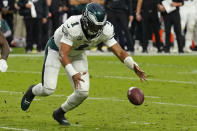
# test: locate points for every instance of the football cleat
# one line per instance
(58, 115)
(27, 98)
(187, 50)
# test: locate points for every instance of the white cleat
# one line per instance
(187, 50)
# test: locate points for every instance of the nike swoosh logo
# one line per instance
(26, 102)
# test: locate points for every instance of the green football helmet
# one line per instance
(93, 18)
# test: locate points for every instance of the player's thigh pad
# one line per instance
(51, 70)
(80, 95)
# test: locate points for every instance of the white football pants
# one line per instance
(50, 73)
(188, 14)
(195, 35)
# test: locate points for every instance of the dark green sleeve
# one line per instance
(4, 26)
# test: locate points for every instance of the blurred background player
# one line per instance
(8, 10)
(148, 14)
(188, 14)
(67, 47)
(136, 29)
(4, 52)
(55, 9)
(35, 13)
(5, 29)
(172, 19)
(120, 15)
(76, 6)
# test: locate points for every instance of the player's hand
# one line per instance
(161, 8)
(28, 5)
(140, 73)
(138, 17)
(77, 78)
(3, 65)
(44, 20)
(131, 18)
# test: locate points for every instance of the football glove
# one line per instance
(3, 65)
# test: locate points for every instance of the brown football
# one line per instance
(135, 96)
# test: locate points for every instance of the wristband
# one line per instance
(71, 71)
(129, 62)
(3, 65)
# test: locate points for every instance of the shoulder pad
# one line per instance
(108, 30)
(72, 26)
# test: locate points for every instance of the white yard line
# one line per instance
(173, 104)
(26, 55)
(61, 95)
(11, 92)
(25, 72)
(116, 77)
(111, 99)
(109, 61)
(91, 53)
(159, 103)
(15, 129)
(189, 72)
(155, 80)
(141, 123)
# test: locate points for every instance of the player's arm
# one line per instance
(138, 10)
(119, 52)
(7, 29)
(127, 60)
(4, 53)
(64, 51)
(5, 47)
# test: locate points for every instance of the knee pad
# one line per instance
(47, 92)
(48, 88)
(189, 33)
(82, 94)
(76, 99)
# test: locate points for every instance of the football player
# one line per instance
(67, 48)
(4, 51)
(5, 29)
(188, 20)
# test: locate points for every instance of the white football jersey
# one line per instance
(71, 33)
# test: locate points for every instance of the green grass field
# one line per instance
(170, 96)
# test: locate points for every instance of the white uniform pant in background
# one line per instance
(195, 36)
(188, 14)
